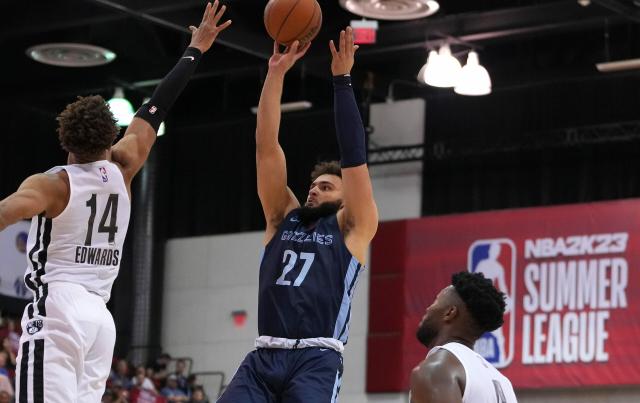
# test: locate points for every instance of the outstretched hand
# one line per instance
(203, 36)
(343, 59)
(282, 62)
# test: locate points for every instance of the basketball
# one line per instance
(290, 20)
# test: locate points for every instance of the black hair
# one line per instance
(484, 302)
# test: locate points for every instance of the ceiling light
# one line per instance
(473, 79)
(431, 59)
(121, 108)
(71, 54)
(391, 9)
(289, 106)
(618, 65)
(443, 70)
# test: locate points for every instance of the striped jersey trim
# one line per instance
(38, 260)
(341, 330)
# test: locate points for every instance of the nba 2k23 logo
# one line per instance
(496, 259)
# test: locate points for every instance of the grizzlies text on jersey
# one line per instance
(307, 281)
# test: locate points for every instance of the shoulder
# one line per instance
(51, 184)
(439, 368)
(50, 190)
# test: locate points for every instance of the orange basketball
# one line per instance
(290, 20)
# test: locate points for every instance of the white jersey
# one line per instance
(83, 245)
(484, 383)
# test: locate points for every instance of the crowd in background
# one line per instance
(9, 344)
(153, 383)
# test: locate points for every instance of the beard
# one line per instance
(309, 215)
(426, 334)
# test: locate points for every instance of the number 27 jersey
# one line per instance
(307, 281)
(83, 245)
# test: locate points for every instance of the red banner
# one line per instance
(570, 274)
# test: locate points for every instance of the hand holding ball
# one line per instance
(290, 20)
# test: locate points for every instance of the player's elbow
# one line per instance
(366, 220)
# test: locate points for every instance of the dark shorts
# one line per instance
(308, 375)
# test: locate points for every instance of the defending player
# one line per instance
(452, 371)
(80, 216)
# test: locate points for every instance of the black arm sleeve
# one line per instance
(169, 89)
(349, 127)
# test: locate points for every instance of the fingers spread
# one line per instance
(224, 26)
(218, 15)
(303, 50)
(294, 47)
(206, 12)
(332, 47)
(349, 40)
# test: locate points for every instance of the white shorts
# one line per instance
(66, 348)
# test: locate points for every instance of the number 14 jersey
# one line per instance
(83, 245)
(307, 281)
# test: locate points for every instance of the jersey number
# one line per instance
(110, 211)
(500, 398)
(292, 259)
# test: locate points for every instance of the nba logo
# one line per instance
(496, 259)
(103, 172)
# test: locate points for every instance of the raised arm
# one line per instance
(276, 198)
(132, 150)
(359, 218)
(36, 195)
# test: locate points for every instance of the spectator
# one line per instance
(5, 397)
(172, 392)
(6, 386)
(121, 396)
(183, 384)
(198, 396)
(121, 375)
(192, 382)
(7, 360)
(107, 397)
(13, 336)
(4, 367)
(145, 396)
(141, 381)
(160, 368)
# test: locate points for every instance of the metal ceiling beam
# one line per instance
(44, 22)
(235, 40)
(620, 7)
(141, 86)
(489, 26)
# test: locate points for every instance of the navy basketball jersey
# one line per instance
(307, 281)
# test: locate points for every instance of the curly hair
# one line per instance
(485, 303)
(326, 167)
(87, 127)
